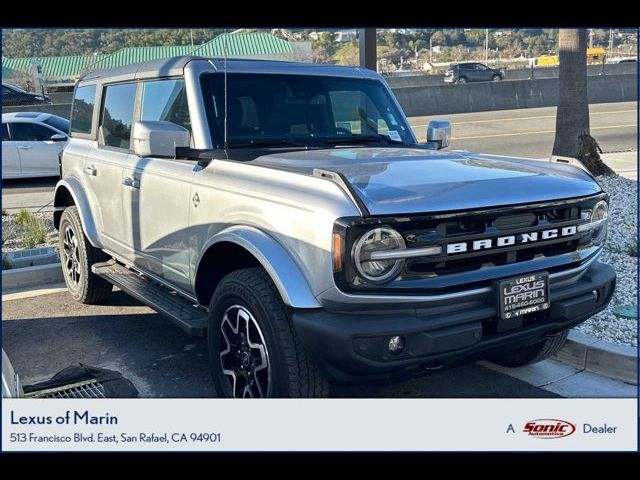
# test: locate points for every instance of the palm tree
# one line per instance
(572, 118)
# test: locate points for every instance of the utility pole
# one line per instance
(486, 46)
(610, 43)
(191, 34)
(367, 47)
(591, 38)
(431, 50)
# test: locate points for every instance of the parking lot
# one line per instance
(45, 333)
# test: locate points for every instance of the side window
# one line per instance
(117, 115)
(6, 91)
(355, 112)
(166, 100)
(82, 110)
(31, 132)
(5, 132)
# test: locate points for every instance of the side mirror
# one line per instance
(439, 134)
(158, 139)
(58, 137)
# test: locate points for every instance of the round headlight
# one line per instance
(378, 240)
(599, 220)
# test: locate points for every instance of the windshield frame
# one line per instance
(212, 86)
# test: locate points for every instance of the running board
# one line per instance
(170, 304)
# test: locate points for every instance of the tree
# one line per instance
(324, 47)
(572, 117)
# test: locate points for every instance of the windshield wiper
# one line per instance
(273, 142)
(363, 139)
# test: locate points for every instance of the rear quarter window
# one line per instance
(84, 102)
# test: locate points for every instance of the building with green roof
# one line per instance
(64, 71)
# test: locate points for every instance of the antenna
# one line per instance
(226, 143)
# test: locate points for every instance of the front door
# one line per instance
(155, 195)
(155, 199)
(38, 153)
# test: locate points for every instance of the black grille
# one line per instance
(456, 271)
(468, 230)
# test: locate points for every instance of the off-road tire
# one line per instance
(293, 373)
(535, 353)
(90, 288)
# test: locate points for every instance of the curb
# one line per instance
(584, 352)
(32, 257)
(32, 276)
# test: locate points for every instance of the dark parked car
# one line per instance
(12, 95)
(472, 72)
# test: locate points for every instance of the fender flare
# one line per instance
(285, 273)
(74, 187)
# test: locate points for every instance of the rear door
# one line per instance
(467, 71)
(104, 161)
(38, 153)
(10, 157)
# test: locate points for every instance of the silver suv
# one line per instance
(288, 212)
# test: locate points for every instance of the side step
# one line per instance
(177, 308)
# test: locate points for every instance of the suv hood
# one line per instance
(393, 181)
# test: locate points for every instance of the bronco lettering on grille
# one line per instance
(509, 240)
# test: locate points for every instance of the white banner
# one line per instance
(325, 425)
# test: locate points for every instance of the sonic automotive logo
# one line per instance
(549, 428)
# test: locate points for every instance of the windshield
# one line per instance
(60, 123)
(301, 111)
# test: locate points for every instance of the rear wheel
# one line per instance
(77, 255)
(535, 353)
(496, 78)
(254, 350)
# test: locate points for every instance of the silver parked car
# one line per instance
(288, 212)
(31, 143)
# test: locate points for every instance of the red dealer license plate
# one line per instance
(521, 295)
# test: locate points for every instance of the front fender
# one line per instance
(287, 277)
(75, 189)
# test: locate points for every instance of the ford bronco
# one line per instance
(288, 213)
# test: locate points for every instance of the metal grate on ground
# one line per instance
(85, 389)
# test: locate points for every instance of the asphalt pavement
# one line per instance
(44, 334)
(530, 132)
(522, 133)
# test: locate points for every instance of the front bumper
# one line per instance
(352, 346)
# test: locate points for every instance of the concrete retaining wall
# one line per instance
(509, 95)
(445, 99)
(514, 74)
(60, 97)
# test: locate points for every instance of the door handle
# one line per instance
(91, 171)
(24, 147)
(131, 182)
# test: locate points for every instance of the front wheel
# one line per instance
(77, 256)
(530, 354)
(462, 81)
(254, 350)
